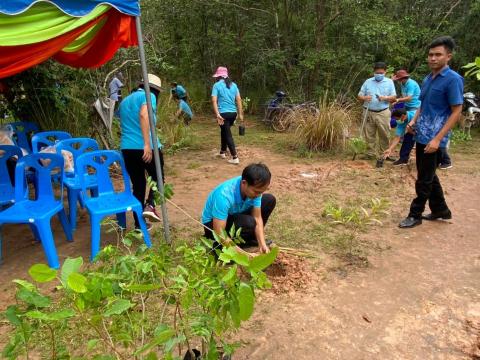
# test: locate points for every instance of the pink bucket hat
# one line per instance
(221, 72)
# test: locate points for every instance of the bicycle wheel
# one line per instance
(283, 121)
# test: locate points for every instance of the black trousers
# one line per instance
(427, 186)
(136, 169)
(226, 137)
(247, 222)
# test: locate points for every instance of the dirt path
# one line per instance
(420, 300)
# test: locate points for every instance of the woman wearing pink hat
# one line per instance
(227, 103)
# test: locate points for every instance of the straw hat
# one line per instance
(154, 82)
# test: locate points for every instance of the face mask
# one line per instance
(379, 77)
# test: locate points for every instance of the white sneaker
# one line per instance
(222, 155)
(235, 161)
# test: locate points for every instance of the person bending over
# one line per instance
(241, 201)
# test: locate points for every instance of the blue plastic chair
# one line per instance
(77, 146)
(107, 201)
(39, 211)
(7, 192)
(47, 138)
(22, 134)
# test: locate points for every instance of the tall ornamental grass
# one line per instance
(326, 129)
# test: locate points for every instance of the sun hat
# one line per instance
(154, 82)
(221, 72)
(400, 74)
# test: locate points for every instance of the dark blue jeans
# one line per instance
(407, 146)
(445, 158)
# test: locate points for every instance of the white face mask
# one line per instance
(379, 77)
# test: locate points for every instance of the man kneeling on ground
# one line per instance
(241, 202)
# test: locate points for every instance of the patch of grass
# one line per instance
(194, 165)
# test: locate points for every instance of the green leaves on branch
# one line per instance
(473, 68)
(42, 273)
(246, 299)
(118, 307)
(117, 302)
(160, 198)
(77, 282)
(261, 262)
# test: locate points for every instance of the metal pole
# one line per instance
(153, 132)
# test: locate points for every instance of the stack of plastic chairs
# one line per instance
(47, 138)
(9, 155)
(38, 212)
(77, 147)
(107, 201)
(22, 134)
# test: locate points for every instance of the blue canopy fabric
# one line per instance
(76, 8)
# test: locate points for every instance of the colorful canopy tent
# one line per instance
(78, 33)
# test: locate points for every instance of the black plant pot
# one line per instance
(188, 356)
(198, 356)
(241, 130)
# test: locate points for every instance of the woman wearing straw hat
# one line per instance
(227, 104)
(136, 143)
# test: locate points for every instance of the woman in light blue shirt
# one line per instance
(227, 104)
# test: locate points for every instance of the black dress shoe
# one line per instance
(444, 215)
(409, 222)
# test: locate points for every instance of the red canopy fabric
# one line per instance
(108, 31)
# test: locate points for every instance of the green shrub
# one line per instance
(135, 303)
(357, 146)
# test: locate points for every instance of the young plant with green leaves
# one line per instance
(138, 303)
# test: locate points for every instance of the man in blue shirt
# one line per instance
(410, 90)
(442, 99)
(377, 93)
(242, 202)
(183, 111)
(137, 145)
(115, 87)
(402, 118)
(410, 99)
(178, 90)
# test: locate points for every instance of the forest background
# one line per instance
(307, 48)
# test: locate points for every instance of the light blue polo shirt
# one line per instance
(225, 96)
(226, 199)
(180, 91)
(380, 88)
(411, 88)
(182, 105)
(402, 126)
(437, 95)
(130, 120)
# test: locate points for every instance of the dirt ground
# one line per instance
(418, 298)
